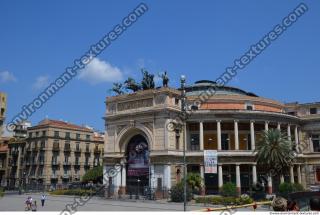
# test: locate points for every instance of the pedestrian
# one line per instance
(43, 199)
(34, 206)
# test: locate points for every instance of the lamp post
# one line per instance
(184, 111)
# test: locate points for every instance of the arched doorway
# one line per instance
(137, 175)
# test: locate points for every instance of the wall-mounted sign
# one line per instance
(210, 161)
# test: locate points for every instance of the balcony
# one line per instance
(41, 162)
(66, 163)
(86, 164)
(67, 149)
(77, 150)
(55, 163)
(65, 176)
(97, 150)
(76, 164)
(77, 176)
(87, 151)
(14, 152)
(42, 148)
(56, 148)
(54, 176)
(35, 148)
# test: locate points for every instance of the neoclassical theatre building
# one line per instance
(230, 122)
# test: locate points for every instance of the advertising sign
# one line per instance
(210, 161)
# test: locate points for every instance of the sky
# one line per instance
(199, 39)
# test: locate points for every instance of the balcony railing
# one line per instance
(97, 150)
(55, 163)
(54, 176)
(87, 151)
(56, 148)
(77, 150)
(76, 164)
(67, 149)
(66, 163)
(87, 164)
(65, 176)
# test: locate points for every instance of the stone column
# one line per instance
(281, 178)
(299, 174)
(122, 189)
(269, 185)
(220, 177)
(167, 176)
(236, 135)
(266, 125)
(296, 135)
(203, 189)
(311, 144)
(289, 132)
(291, 175)
(219, 134)
(253, 144)
(201, 135)
(279, 126)
(238, 180)
(18, 164)
(254, 174)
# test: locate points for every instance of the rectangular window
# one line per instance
(225, 141)
(318, 174)
(44, 133)
(87, 137)
(56, 133)
(313, 110)
(67, 135)
(195, 141)
(316, 143)
(78, 136)
(87, 147)
(77, 146)
(30, 134)
(37, 134)
(249, 142)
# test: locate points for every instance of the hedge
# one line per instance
(220, 200)
(73, 192)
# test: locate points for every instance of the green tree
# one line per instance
(274, 152)
(95, 175)
(194, 181)
(229, 189)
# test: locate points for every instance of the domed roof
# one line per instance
(200, 86)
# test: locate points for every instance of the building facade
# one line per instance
(3, 110)
(52, 155)
(229, 121)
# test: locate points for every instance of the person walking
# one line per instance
(43, 199)
(34, 206)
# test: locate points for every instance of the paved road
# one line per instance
(58, 203)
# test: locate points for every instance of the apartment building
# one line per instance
(3, 109)
(53, 154)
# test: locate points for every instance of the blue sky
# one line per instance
(200, 39)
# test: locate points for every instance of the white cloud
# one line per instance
(41, 82)
(6, 76)
(99, 71)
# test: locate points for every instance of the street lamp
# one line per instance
(184, 111)
(137, 196)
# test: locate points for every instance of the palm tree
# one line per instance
(274, 152)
